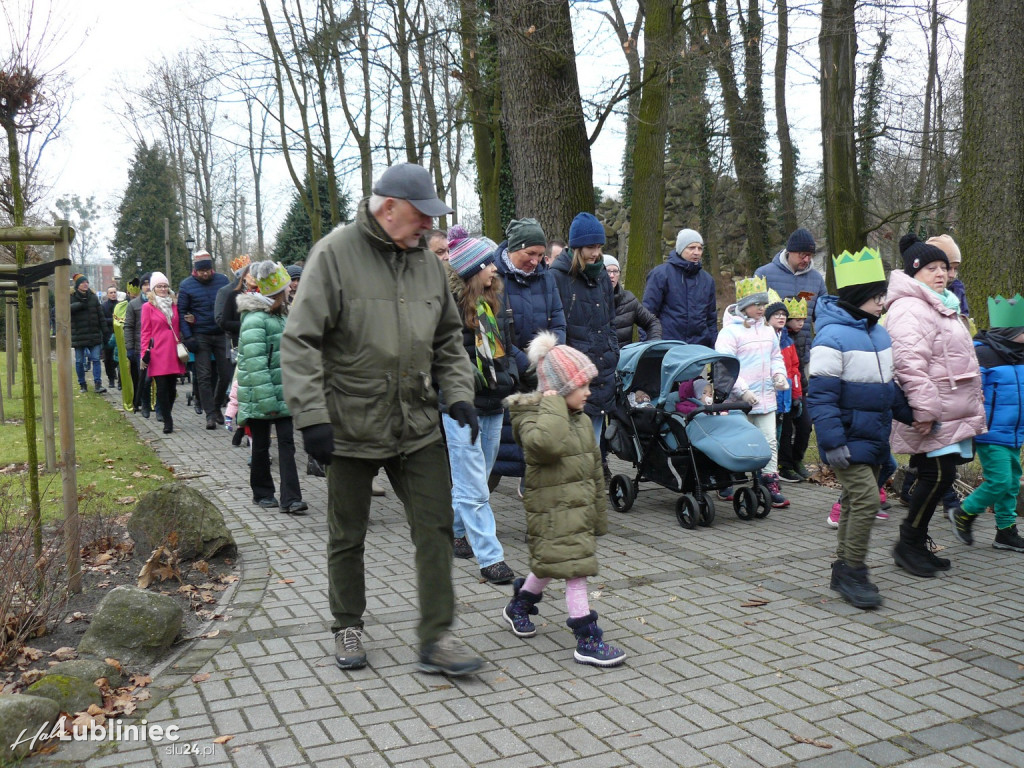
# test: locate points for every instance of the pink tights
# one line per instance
(575, 593)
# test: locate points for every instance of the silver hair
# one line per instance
(375, 203)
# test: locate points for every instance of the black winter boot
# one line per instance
(911, 554)
(853, 584)
(834, 582)
(520, 608)
(940, 563)
(1008, 538)
(590, 648)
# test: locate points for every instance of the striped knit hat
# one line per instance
(559, 367)
(467, 255)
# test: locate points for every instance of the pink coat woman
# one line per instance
(163, 357)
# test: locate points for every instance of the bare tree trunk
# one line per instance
(786, 150)
(926, 124)
(992, 190)
(360, 129)
(552, 173)
(628, 42)
(844, 216)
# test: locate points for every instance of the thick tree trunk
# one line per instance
(542, 114)
(918, 200)
(992, 191)
(844, 216)
(786, 151)
(649, 158)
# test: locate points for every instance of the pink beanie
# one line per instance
(559, 367)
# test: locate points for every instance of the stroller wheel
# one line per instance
(707, 510)
(621, 493)
(744, 503)
(764, 502)
(687, 511)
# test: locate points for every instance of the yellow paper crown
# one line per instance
(749, 286)
(241, 261)
(796, 307)
(773, 297)
(864, 266)
(1006, 313)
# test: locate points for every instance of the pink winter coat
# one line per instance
(163, 358)
(935, 366)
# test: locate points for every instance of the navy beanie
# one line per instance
(586, 230)
(801, 241)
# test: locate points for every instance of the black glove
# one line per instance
(465, 414)
(528, 380)
(318, 440)
(190, 343)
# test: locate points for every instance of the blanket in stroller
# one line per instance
(730, 441)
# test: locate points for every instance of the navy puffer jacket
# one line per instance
(589, 305)
(682, 295)
(200, 299)
(784, 281)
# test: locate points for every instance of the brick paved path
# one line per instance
(933, 679)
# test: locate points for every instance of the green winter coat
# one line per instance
(260, 393)
(371, 334)
(564, 497)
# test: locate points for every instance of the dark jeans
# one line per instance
(109, 365)
(213, 375)
(424, 487)
(260, 480)
(796, 434)
(935, 477)
(166, 393)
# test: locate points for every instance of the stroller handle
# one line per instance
(729, 405)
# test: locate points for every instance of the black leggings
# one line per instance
(166, 392)
(935, 476)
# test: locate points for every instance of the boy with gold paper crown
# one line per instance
(852, 398)
(1000, 352)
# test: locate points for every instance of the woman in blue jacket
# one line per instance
(589, 303)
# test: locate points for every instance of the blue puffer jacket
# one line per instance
(200, 299)
(536, 306)
(682, 295)
(787, 283)
(590, 327)
(852, 393)
(1002, 379)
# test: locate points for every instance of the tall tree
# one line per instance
(868, 130)
(992, 189)
(295, 237)
(148, 198)
(837, 43)
(552, 173)
(648, 182)
(628, 38)
(926, 123)
(787, 152)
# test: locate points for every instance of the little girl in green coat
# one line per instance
(564, 495)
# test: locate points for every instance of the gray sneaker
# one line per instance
(449, 656)
(348, 648)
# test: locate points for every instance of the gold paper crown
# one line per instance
(796, 307)
(773, 297)
(750, 285)
(1006, 313)
(241, 261)
(864, 266)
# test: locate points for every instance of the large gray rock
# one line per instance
(72, 694)
(180, 514)
(134, 626)
(21, 718)
(88, 669)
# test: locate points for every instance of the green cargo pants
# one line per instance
(860, 504)
(422, 483)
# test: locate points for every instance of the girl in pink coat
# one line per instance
(938, 371)
(159, 344)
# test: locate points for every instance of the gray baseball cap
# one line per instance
(412, 183)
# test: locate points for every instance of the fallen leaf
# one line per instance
(114, 663)
(754, 602)
(223, 739)
(94, 710)
(214, 633)
(141, 680)
(202, 566)
(202, 677)
(64, 654)
(812, 742)
(286, 581)
(641, 619)
(141, 695)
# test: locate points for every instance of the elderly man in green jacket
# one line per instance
(371, 336)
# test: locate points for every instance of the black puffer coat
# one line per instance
(87, 321)
(589, 307)
(629, 312)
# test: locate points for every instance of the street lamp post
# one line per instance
(190, 243)
(138, 267)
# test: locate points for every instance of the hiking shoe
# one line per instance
(268, 503)
(1008, 538)
(801, 470)
(882, 515)
(520, 608)
(789, 475)
(853, 584)
(940, 563)
(962, 524)
(834, 582)
(833, 516)
(99, 389)
(82, 388)
(461, 548)
(726, 494)
(771, 482)
(211, 423)
(449, 656)
(296, 508)
(499, 573)
(348, 648)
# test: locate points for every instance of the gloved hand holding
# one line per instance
(190, 343)
(798, 408)
(748, 397)
(318, 440)
(465, 414)
(780, 382)
(838, 458)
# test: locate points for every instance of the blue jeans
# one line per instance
(93, 353)
(471, 499)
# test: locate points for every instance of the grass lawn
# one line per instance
(115, 466)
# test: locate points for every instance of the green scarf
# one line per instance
(488, 343)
